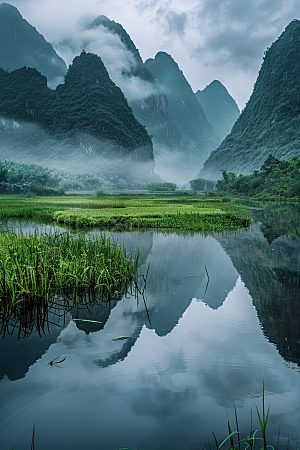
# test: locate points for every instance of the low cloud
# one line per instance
(220, 39)
(210, 39)
(119, 61)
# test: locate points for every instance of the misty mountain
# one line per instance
(270, 121)
(192, 134)
(148, 101)
(219, 107)
(87, 103)
(21, 45)
(136, 68)
(182, 137)
(149, 104)
(86, 117)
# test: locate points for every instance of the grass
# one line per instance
(36, 269)
(192, 212)
(256, 439)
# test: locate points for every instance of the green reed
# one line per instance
(256, 439)
(36, 268)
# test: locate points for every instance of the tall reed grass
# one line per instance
(256, 439)
(37, 268)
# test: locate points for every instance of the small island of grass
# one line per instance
(127, 212)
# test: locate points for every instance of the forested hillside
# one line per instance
(270, 122)
(88, 103)
(192, 134)
(20, 178)
(219, 107)
(22, 45)
(275, 180)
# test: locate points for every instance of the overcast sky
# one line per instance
(209, 39)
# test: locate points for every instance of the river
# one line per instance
(224, 319)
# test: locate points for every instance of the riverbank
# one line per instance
(125, 212)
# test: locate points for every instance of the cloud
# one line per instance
(119, 61)
(173, 22)
(210, 39)
(238, 32)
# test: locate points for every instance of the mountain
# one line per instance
(149, 104)
(87, 117)
(219, 107)
(193, 136)
(88, 102)
(21, 45)
(146, 98)
(270, 121)
(137, 68)
(182, 137)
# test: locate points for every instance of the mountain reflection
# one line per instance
(177, 274)
(268, 259)
(269, 267)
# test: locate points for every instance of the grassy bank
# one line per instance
(130, 211)
(36, 269)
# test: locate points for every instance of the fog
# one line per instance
(171, 163)
(115, 167)
(177, 165)
(118, 60)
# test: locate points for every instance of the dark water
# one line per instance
(208, 347)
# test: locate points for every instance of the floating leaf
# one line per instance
(120, 338)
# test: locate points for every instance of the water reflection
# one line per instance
(167, 385)
(271, 272)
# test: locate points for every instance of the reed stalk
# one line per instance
(35, 269)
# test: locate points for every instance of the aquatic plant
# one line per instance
(186, 213)
(40, 268)
(255, 439)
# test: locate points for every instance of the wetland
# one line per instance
(222, 316)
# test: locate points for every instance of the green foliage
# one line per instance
(270, 122)
(19, 178)
(36, 268)
(87, 109)
(274, 181)
(189, 213)
(45, 191)
(161, 187)
(99, 193)
(200, 184)
(256, 439)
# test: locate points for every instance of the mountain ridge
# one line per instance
(22, 45)
(270, 121)
(193, 135)
(219, 107)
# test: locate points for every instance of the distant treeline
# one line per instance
(161, 187)
(201, 184)
(19, 178)
(275, 180)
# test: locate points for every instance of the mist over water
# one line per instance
(28, 143)
(175, 165)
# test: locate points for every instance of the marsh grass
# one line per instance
(256, 439)
(36, 269)
(191, 213)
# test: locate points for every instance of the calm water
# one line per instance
(171, 382)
